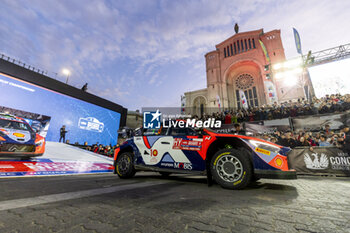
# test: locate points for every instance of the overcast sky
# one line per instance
(141, 53)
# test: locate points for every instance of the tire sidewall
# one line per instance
(130, 171)
(244, 180)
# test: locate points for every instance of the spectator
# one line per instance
(302, 142)
(228, 118)
(238, 129)
(323, 141)
(327, 131)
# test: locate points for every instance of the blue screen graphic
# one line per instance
(84, 122)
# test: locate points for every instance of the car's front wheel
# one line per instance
(125, 165)
(231, 169)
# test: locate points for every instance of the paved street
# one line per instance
(151, 203)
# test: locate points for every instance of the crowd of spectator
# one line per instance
(328, 104)
(102, 149)
(304, 138)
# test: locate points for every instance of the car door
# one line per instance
(185, 149)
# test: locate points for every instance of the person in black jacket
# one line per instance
(63, 132)
(238, 129)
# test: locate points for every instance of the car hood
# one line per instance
(21, 136)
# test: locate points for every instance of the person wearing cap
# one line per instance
(346, 145)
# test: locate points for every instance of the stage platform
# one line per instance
(58, 159)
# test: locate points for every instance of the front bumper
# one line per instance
(276, 174)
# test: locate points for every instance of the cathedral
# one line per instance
(243, 64)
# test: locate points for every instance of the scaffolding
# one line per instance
(20, 63)
(327, 55)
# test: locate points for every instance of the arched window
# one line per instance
(250, 45)
(238, 47)
(231, 49)
(242, 46)
(234, 45)
(245, 82)
(245, 43)
(224, 52)
(253, 43)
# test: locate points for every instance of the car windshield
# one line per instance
(14, 125)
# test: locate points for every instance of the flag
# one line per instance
(243, 99)
(219, 102)
(271, 91)
(297, 41)
(265, 51)
(183, 104)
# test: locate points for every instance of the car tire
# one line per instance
(165, 174)
(255, 179)
(231, 168)
(125, 166)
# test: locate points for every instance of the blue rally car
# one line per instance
(18, 139)
(233, 161)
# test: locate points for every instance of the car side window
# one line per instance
(178, 132)
(150, 132)
(191, 132)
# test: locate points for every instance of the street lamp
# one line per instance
(67, 73)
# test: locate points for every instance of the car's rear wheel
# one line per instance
(125, 165)
(231, 169)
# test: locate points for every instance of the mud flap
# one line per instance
(209, 178)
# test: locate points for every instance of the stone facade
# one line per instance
(239, 63)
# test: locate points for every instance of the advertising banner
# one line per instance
(268, 126)
(314, 123)
(46, 167)
(271, 91)
(322, 160)
(243, 99)
(265, 51)
(297, 40)
(85, 122)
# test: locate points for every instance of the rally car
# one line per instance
(18, 139)
(233, 161)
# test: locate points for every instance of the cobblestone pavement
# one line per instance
(179, 204)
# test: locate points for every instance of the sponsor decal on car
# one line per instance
(177, 165)
(19, 135)
(182, 144)
(262, 151)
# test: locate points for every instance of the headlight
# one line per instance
(39, 143)
(265, 146)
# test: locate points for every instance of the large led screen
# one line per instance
(331, 78)
(84, 122)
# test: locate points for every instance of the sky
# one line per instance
(140, 53)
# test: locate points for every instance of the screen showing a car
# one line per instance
(84, 122)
